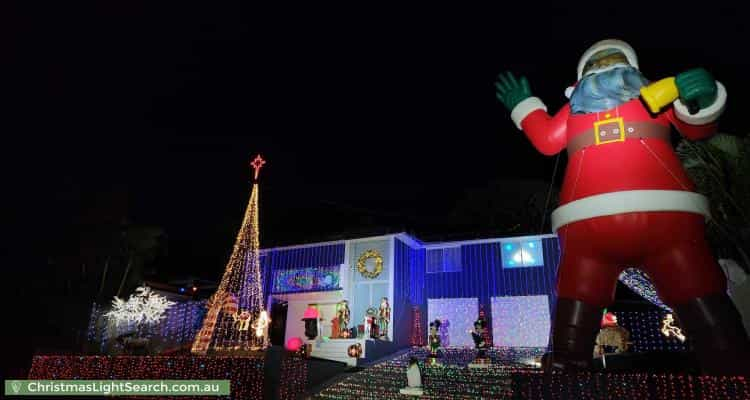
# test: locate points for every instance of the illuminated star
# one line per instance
(257, 164)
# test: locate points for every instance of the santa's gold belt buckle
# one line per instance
(609, 131)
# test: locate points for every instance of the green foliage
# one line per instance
(720, 168)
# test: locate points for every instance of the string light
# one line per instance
(669, 329)
(509, 377)
(93, 318)
(418, 335)
(227, 331)
(178, 327)
(246, 373)
(486, 335)
(306, 279)
(640, 283)
(645, 332)
(143, 309)
(257, 164)
(520, 321)
(261, 325)
(457, 317)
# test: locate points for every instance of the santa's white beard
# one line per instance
(606, 89)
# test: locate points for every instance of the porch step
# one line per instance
(336, 350)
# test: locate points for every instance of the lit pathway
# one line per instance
(451, 379)
(512, 375)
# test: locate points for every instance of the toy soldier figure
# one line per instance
(384, 316)
(342, 313)
(335, 328)
(372, 322)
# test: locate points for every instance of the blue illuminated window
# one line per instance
(444, 260)
(523, 253)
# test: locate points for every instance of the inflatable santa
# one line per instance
(626, 200)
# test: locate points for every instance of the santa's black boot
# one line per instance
(573, 335)
(715, 328)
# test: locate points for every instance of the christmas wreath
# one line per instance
(362, 266)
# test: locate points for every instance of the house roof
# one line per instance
(410, 240)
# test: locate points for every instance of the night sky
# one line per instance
(372, 120)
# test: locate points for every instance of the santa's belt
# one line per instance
(615, 130)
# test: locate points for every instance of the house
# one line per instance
(512, 279)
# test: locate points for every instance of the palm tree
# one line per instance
(720, 168)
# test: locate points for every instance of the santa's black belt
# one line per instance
(615, 130)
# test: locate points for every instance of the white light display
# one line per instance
(668, 328)
(143, 308)
(261, 325)
(457, 317)
(178, 326)
(520, 321)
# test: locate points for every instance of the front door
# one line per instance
(277, 330)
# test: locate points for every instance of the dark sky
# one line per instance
(368, 117)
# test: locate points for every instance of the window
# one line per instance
(306, 279)
(522, 253)
(447, 259)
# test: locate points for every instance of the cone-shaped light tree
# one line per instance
(236, 320)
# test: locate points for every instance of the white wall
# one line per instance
(295, 327)
(327, 312)
(297, 304)
(364, 292)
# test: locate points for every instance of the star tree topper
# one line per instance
(257, 164)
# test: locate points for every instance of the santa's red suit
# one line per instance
(627, 201)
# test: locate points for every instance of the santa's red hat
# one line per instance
(605, 44)
(609, 319)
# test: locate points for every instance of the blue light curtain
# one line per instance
(483, 276)
(408, 290)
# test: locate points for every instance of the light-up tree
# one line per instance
(143, 309)
(235, 311)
